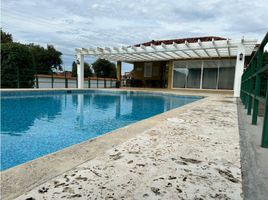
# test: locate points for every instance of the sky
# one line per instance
(69, 24)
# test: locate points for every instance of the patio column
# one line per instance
(80, 70)
(118, 70)
(170, 74)
(239, 68)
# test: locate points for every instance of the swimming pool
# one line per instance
(39, 123)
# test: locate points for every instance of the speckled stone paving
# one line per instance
(194, 155)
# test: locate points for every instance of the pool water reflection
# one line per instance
(33, 126)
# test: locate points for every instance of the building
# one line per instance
(201, 63)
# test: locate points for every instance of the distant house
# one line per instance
(213, 63)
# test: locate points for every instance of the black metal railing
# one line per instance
(44, 79)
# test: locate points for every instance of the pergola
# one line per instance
(171, 52)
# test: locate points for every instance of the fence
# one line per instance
(254, 89)
(26, 78)
(52, 81)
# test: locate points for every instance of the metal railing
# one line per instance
(254, 89)
(44, 79)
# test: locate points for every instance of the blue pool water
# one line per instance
(36, 125)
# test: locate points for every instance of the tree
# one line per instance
(54, 57)
(104, 68)
(6, 37)
(21, 62)
(87, 70)
(17, 67)
(46, 59)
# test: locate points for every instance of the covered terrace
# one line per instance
(175, 58)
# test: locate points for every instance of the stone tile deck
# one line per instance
(192, 154)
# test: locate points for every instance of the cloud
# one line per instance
(69, 24)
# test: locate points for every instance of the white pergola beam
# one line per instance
(108, 49)
(153, 46)
(187, 44)
(215, 47)
(78, 50)
(116, 49)
(228, 48)
(205, 45)
(200, 44)
(222, 48)
(165, 55)
(138, 57)
(174, 52)
(176, 46)
(100, 49)
(143, 47)
(150, 56)
(133, 48)
(157, 56)
(163, 46)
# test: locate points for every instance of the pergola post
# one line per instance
(80, 70)
(118, 70)
(239, 68)
(170, 74)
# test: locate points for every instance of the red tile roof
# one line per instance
(180, 41)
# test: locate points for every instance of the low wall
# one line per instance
(61, 82)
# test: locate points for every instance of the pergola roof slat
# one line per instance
(205, 49)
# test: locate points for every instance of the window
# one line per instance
(148, 69)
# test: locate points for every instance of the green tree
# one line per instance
(17, 68)
(74, 69)
(87, 70)
(104, 68)
(46, 59)
(20, 62)
(6, 37)
(54, 57)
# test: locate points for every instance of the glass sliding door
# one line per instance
(215, 74)
(180, 73)
(194, 74)
(210, 74)
(226, 74)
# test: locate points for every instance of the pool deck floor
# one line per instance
(191, 152)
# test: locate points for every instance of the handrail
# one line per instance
(251, 91)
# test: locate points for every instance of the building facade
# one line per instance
(196, 74)
(195, 63)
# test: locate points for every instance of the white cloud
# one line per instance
(83, 23)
